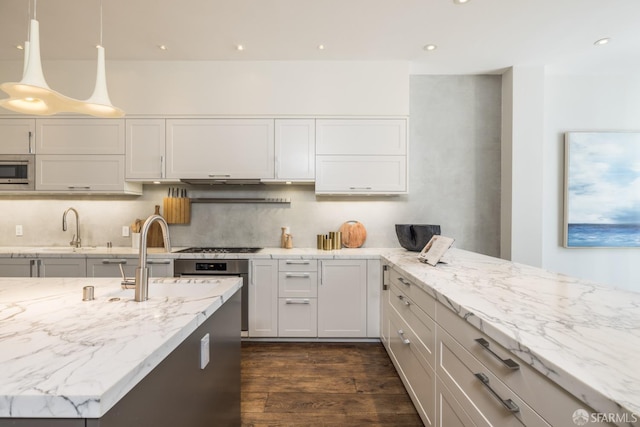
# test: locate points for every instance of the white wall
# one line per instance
(596, 103)
(236, 88)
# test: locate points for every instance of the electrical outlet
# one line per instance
(18, 230)
(204, 351)
(125, 231)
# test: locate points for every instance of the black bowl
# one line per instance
(414, 237)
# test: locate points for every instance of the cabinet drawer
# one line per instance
(422, 326)
(417, 376)
(298, 265)
(298, 284)
(425, 301)
(487, 400)
(548, 399)
(297, 317)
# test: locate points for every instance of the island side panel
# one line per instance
(178, 392)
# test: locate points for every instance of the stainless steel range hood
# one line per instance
(220, 181)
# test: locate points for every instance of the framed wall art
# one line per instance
(602, 189)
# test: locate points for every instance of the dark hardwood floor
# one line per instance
(322, 384)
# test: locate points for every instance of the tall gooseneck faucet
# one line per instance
(142, 272)
(75, 241)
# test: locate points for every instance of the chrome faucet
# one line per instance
(142, 272)
(75, 241)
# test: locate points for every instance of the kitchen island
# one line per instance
(116, 362)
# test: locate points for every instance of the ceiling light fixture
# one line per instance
(430, 47)
(32, 95)
(460, 1)
(239, 47)
(162, 47)
(320, 47)
(602, 41)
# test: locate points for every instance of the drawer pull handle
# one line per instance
(305, 275)
(404, 282)
(401, 298)
(509, 363)
(114, 261)
(297, 301)
(159, 262)
(403, 338)
(290, 262)
(508, 403)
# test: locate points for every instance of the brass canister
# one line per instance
(320, 243)
(328, 244)
(337, 240)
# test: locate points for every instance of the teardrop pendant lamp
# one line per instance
(32, 95)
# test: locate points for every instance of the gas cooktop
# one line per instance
(198, 250)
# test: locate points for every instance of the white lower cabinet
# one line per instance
(297, 298)
(263, 298)
(342, 298)
(458, 376)
(42, 267)
(110, 267)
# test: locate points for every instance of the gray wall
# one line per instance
(454, 181)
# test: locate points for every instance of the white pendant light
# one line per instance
(32, 95)
(99, 104)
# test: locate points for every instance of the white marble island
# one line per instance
(61, 357)
(582, 336)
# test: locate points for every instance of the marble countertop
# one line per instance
(583, 336)
(265, 253)
(61, 357)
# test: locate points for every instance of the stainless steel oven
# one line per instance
(17, 172)
(219, 267)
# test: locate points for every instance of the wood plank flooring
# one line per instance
(322, 384)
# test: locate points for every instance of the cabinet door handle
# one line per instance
(114, 261)
(509, 363)
(79, 187)
(296, 262)
(402, 298)
(297, 301)
(162, 167)
(404, 339)
(305, 275)
(508, 403)
(219, 176)
(30, 145)
(360, 188)
(158, 262)
(404, 282)
(32, 264)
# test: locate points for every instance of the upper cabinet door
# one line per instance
(361, 137)
(80, 136)
(17, 136)
(295, 149)
(220, 148)
(145, 149)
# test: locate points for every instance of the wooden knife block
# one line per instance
(177, 210)
(154, 234)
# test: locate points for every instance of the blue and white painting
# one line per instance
(602, 207)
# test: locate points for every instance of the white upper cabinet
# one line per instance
(220, 148)
(145, 149)
(362, 137)
(17, 136)
(295, 150)
(361, 156)
(80, 136)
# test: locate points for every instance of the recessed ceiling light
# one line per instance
(602, 41)
(162, 47)
(460, 1)
(320, 47)
(20, 47)
(430, 47)
(239, 47)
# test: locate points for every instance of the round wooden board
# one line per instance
(353, 234)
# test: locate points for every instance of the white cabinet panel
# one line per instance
(361, 137)
(80, 136)
(298, 317)
(263, 298)
(145, 149)
(82, 173)
(342, 298)
(295, 150)
(220, 148)
(17, 136)
(43, 267)
(361, 174)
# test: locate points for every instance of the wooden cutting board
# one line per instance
(154, 234)
(353, 234)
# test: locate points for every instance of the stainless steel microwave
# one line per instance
(17, 172)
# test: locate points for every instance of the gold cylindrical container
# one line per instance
(328, 244)
(337, 240)
(320, 243)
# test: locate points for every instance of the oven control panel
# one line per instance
(211, 266)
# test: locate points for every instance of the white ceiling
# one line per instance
(482, 36)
